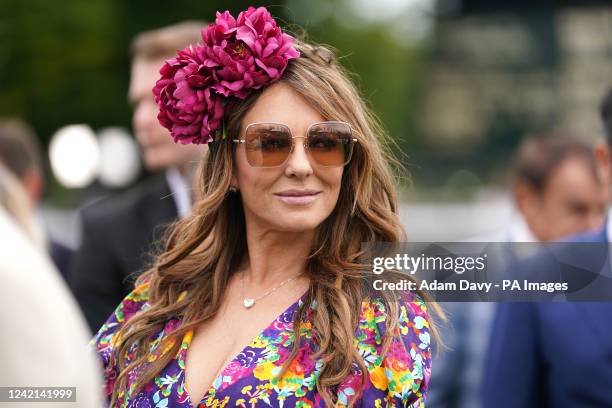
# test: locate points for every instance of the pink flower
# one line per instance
(237, 56)
(234, 370)
(187, 105)
(246, 53)
(305, 360)
(130, 308)
(110, 376)
(172, 325)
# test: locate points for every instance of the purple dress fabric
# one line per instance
(398, 378)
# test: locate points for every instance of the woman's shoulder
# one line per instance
(106, 340)
(399, 368)
(134, 302)
(411, 312)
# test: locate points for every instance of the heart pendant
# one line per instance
(248, 302)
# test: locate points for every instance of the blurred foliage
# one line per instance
(68, 62)
(386, 73)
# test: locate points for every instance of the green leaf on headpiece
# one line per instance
(212, 147)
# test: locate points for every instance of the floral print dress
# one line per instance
(399, 378)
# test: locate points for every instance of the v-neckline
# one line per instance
(188, 337)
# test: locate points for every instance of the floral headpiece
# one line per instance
(237, 56)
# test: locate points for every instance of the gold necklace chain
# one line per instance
(250, 302)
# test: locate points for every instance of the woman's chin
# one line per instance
(296, 225)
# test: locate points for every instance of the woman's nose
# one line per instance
(298, 163)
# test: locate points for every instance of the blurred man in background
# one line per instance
(118, 233)
(558, 190)
(557, 354)
(20, 152)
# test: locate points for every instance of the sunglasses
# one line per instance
(328, 144)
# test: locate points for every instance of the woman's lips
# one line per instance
(298, 197)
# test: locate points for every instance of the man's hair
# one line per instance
(164, 42)
(605, 111)
(539, 156)
(19, 148)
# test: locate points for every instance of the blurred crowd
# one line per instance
(496, 355)
(539, 354)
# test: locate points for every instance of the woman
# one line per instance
(259, 298)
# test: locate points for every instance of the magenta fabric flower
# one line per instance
(187, 105)
(237, 56)
(246, 53)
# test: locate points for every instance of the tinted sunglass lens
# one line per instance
(330, 144)
(267, 145)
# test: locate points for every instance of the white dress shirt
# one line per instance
(180, 190)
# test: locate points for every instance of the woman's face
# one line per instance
(298, 195)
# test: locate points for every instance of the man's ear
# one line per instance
(33, 184)
(525, 197)
(528, 201)
(602, 156)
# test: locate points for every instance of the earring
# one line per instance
(233, 189)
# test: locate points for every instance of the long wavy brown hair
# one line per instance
(198, 260)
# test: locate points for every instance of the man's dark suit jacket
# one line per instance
(119, 236)
(61, 256)
(552, 354)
